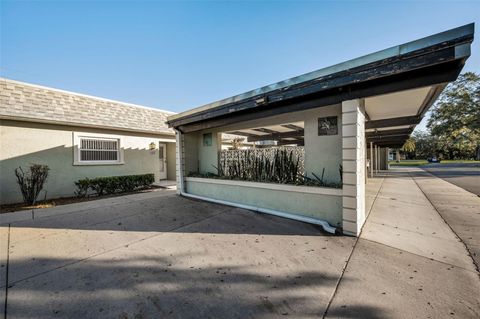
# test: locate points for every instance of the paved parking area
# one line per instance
(464, 175)
(157, 255)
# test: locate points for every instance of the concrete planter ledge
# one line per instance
(272, 186)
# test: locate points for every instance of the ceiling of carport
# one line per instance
(398, 104)
(279, 133)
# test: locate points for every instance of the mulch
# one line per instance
(9, 208)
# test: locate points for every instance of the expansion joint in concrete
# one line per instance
(340, 279)
(7, 266)
(477, 267)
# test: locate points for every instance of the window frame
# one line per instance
(77, 140)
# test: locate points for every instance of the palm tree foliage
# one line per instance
(409, 145)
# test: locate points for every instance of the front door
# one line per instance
(162, 153)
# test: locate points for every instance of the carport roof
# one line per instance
(426, 65)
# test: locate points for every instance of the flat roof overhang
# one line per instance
(420, 68)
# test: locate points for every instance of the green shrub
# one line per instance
(113, 184)
(82, 187)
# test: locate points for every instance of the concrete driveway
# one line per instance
(157, 255)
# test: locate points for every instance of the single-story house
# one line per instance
(78, 136)
(329, 125)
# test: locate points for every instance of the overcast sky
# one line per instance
(179, 55)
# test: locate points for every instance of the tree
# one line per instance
(426, 145)
(409, 146)
(455, 118)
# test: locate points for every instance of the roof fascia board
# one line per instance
(115, 128)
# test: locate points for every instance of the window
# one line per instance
(98, 150)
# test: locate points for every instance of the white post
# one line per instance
(353, 161)
(180, 155)
(387, 153)
(371, 159)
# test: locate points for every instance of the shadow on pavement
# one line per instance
(172, 213)
(156, 287)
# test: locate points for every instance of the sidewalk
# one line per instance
(407, 262)
(458, 207)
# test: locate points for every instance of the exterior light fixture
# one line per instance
(152, 146)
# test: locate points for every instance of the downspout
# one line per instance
(181, 190)
(325, 225)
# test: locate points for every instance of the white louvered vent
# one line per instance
(98, 150)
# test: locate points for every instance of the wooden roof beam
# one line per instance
(389, 132)
(276, 136)
(292, 127)
(396, 121)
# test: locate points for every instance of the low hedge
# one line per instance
(113, 184)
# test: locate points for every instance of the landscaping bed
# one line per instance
(9, 208)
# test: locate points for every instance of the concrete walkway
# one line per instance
(407, 262)
(458, 207)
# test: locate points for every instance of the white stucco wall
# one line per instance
(326, 207)
(323, 151)
(208, 155)
(190, 142)
(24, 143)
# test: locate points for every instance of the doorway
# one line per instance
(162, 154)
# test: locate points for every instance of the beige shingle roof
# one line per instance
(30, 102)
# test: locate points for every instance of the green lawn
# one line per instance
(460, 161)
(408, 163)
(420, 162)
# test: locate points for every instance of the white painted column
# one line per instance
(371, 159)
(379, 155)
(387, 153)
(353, 161)
(180, 165)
